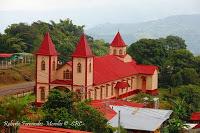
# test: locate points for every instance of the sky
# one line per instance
(93, 12)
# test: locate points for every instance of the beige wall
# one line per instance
(79, 78)
(155, 80)
(59, 72)
(117, 50)
(151, 81)
(42, 75)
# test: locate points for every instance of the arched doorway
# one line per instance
(144, 82)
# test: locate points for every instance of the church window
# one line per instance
(90, 67)
(54, 66)
(66, 74)
(106, 90)
(114, 51)
(43, 65)
(42, 93)
(79, 67)
(120, 52)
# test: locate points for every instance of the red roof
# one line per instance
(5, 55)
(66, 82)
(82, 48)
(109, 113)
(108, 68)
(118, 41)
(195, 116)
(121, 85)
(197, 126)
(44, 129)
(47, 47)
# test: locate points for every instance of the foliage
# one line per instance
(177, 65)
(14, 110)
(22, 37)
(63, 106)
(174, 126)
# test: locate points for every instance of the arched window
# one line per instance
(42, 91)
(79, 68)
(114, 51)
(67, 74)
(70, 74)
(90, 67)
(120, 52)
(54, 65)
(43, 65)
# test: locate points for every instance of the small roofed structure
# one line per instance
(133, 116)
(139, 119)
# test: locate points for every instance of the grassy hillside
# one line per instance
(19, 74)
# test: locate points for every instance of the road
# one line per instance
(17, 88)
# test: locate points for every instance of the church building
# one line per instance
(111, 76)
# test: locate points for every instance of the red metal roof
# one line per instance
(197, 126)
(5, 55)
(118, 41)
(82, 48)
(44, 129)
(108, 68)
(47, 47)
(66, 82)
(121, 85)
(195, 116)
(109, 113)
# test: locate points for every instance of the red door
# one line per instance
(144, 84)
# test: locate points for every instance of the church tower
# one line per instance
(82, 63)
(118, 46)
(46, 64)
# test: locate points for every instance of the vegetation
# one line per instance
(177, 65)
(65, 107)
(65, 35)
(14, 110)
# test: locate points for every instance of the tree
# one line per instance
(176, 79)
(174, 43)
(64, 106)
(148, 51)
(190, 76)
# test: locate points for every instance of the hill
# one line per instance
(185, 26)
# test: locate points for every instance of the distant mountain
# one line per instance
(185, 26)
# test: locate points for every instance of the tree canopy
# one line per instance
(22, 37)
(177, 65)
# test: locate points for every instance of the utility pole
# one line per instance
(119, 121)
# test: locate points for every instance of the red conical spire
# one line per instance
(47, 47)
(118, 41)
(82, 48)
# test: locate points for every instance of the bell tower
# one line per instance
(46, 64)
(118, 46)
(82, 62)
